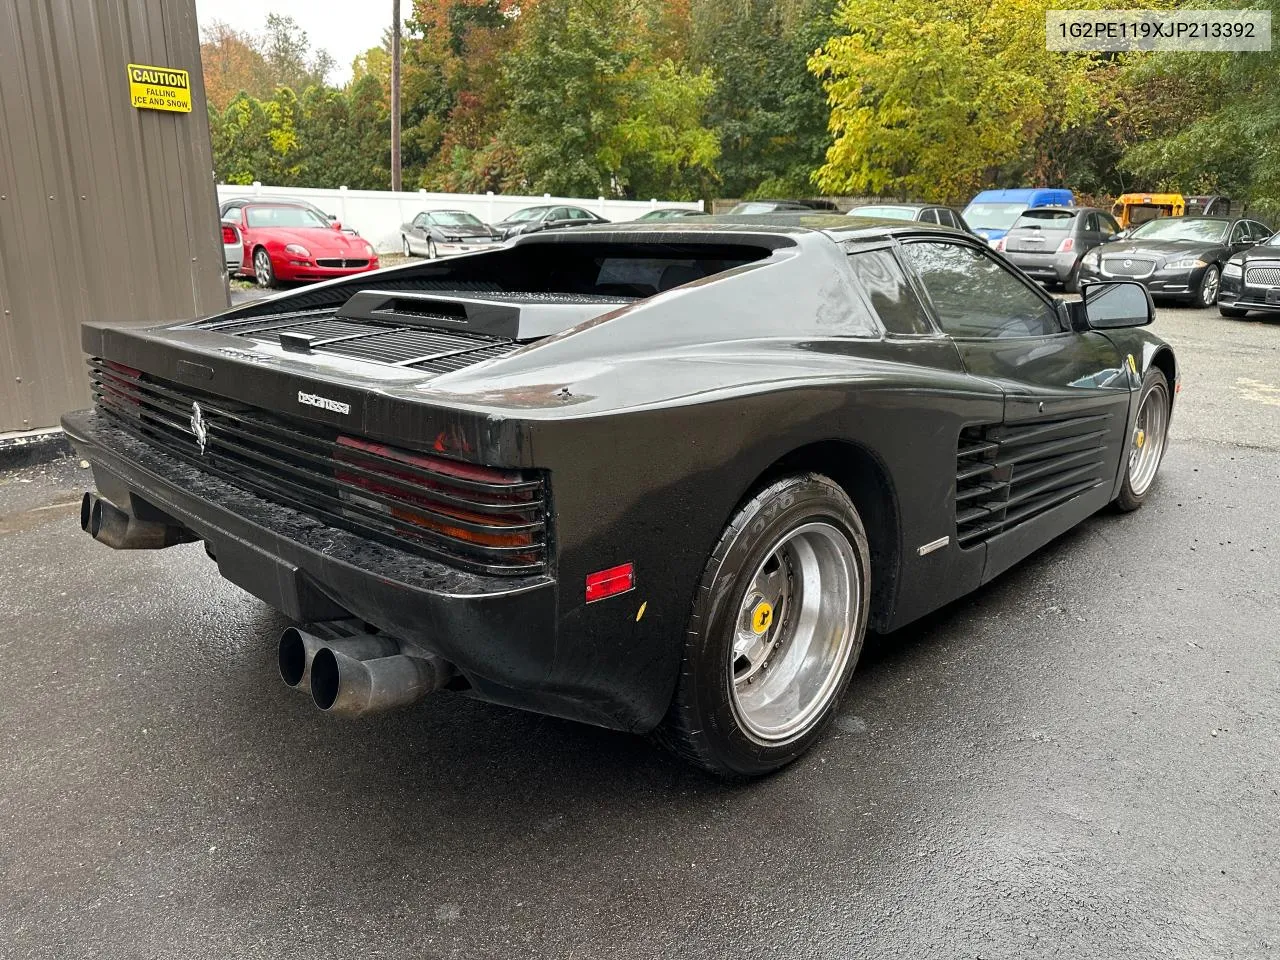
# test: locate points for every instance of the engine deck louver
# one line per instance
(1009, 474)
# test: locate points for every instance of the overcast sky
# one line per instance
(343, 28)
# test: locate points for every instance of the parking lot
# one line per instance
(1080, 760)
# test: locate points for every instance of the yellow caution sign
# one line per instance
(159, 88)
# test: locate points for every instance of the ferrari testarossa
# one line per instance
(658, 477)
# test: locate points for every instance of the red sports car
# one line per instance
(284, 241)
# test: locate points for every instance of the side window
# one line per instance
(1091, 223)
(974, 296)
(1106, 225)
(928, 216)
(948, 219)
(576, 214)
(424, 220)
(559, 213)
(1260, 230)
(1238, 233)
(889, 291)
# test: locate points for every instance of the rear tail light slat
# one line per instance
(489, 519)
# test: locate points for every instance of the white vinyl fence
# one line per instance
(378, 214)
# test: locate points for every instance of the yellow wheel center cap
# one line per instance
(762, 617)
(1140, 439)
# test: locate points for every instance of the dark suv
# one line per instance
(1049, 242)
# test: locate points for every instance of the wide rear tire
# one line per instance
(1147, 442)
(775, 632)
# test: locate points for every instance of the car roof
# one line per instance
(836, 226)
(894, 203)
(1018, 194)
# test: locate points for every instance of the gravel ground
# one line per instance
(1081, 759)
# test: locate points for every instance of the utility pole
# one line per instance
(395, 94)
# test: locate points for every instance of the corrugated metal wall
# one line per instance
(106, 212)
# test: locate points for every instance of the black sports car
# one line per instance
(1251, 280)
(1176, 257)
(532, 219)
(658, 477)
(436, 233)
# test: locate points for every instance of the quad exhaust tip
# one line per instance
(121, 530)
(356, 673)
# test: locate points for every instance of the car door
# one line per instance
(1054, 457)
(421, 233)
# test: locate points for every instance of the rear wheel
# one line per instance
(1072, 283)
(775, 631)
(404, 240)
(262, 270)
(1208, 294)
(1233, 312)
(1146, 442)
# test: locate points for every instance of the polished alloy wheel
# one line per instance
(407, 251)
(1146, 446)
(795, 631)
(1209, 287)
(262, 268)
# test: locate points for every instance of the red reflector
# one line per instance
(607, 583)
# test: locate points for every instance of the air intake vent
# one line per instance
(1008, 474)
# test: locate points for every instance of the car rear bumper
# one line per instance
(1045, 267)
(500, 632)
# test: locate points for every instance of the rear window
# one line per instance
(888, 212)
(1046, 219)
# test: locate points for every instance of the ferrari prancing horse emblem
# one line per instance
(198, 426)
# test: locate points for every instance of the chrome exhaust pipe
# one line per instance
(119, 530)
(299, 646)
(350, 685)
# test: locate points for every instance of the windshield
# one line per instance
(528, 213)
(1180, 228)
(1046, 219)
(284, 217)
(454, 218)
(890, 213)
(993, 216)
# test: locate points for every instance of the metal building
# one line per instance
(107, 209)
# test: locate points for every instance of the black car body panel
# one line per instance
(646, 424)
(1149, 260)
(1254, 282)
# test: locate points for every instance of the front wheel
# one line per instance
(1208, 294)
(432, 253)
(404, 241)
(1146, 442)
(776, 629)
(262, 270)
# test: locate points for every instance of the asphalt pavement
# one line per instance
(1080, 760)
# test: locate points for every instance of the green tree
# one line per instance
(1208, 123)
(931, 99)
(770, 111)
(591, 109)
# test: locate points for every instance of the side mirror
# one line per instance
(1117, 303)
(1118, 236)
(335, 225)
